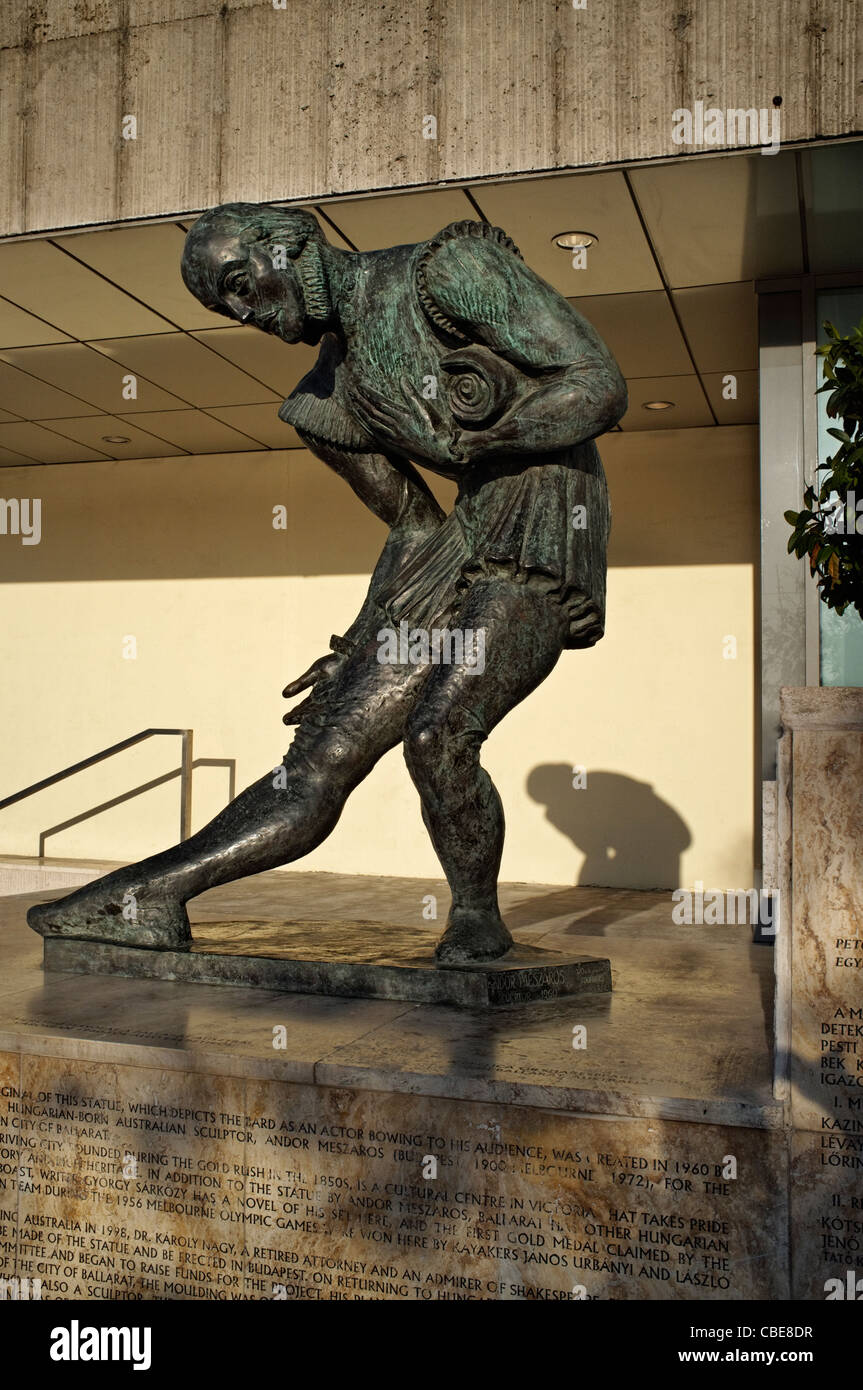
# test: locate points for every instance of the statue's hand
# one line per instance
(498, 438)
(322, 669)
(407, 421)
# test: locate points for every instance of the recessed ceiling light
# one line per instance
(116, 439)
(571, 241)
(658, 405)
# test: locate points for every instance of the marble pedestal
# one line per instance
(819, 961)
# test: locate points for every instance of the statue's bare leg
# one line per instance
(280, 818)
(453, 715)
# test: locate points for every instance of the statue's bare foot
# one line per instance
(117, 909)
(473, 935)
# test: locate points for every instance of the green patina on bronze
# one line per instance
(449, 355)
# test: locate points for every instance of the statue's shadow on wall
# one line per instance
(629, 836)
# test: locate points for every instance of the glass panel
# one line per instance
(841, 638)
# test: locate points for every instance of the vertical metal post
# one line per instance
(186, 786)
(811, 375)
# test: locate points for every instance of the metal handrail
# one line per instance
(185, 772)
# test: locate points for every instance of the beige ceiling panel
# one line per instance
(20, 329)
(44, 280)
(91, 376)
(721, 323)
(372, 223)
(44, 446)
(534, 211)
(833, 196)
(8, 459)
(690, 408)
(196, 432)
(92, 432)
(35, 400)
(260, 422)
(182, 364)
(717, 220)
(641, 331)
(277, 364)
(743, 409)
(146, 262)
(330, 233)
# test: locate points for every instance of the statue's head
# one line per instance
(260, 264)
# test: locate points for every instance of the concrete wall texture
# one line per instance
(242, 100)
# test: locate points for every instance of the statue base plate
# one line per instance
(359, 960)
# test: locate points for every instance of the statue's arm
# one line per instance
(397, 494)
(578, 390)
(390, 487)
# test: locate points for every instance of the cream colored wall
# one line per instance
(181, 554)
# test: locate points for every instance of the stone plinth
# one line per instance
(357, 960)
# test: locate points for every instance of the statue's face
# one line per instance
(252, 290)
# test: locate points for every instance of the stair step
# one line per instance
(19, 874)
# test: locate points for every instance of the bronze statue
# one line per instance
(454, 356)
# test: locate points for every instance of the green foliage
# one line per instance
(826, 530)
